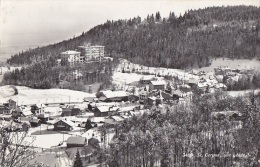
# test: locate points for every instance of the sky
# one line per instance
(25, 23)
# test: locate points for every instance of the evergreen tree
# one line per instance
(78, 162)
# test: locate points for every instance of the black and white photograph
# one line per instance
(129, 83)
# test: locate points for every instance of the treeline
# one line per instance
(46, 74)
(188, 135)
(185, 41)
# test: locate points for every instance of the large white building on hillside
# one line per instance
(92, 53)
(71, 57)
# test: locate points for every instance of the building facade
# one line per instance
(157, 85)
(63, 125)
(92, 53)
(71, 57)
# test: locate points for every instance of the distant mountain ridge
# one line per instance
(187, 41)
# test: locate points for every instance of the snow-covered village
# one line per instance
(138, 92)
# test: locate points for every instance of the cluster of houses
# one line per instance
(108, 107)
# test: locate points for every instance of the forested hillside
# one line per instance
(189, 40)
(189, 135)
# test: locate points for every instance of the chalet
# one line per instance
(63, 125)
(114, 96)
(35, 122)
(76, 141)
(146, 79)
(157, 85)
(103, 111)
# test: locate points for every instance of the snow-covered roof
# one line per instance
(177, 92)
(34, 120)
(129, 108)
(76, 140)
(65, 121)
(111, 94)
(97, 119)
(106, 108)
(70, 52)
(117, 118)
(193, 81)
(27, 112)
(158, 82)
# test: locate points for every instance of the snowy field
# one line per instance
(47, 141)
(34, 96)
(127, 78)
(153, 70)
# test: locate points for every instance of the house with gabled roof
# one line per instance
(103, 111)
(157, 85)
(64, 125)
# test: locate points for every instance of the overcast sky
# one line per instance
(41, 22)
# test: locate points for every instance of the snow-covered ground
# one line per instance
(126, 65)
(242, 92)
(35, 96)
(120, 78)
(47, 141)
(233, 64)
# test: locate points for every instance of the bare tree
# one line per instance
(15, 151)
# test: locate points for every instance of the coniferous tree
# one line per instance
(78, 161)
